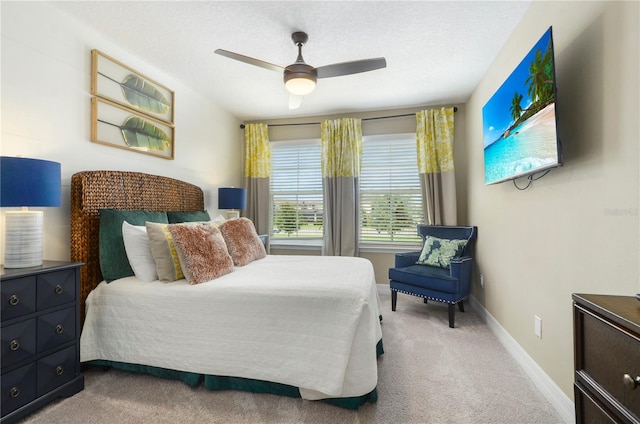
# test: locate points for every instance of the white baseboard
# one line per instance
(560, 401)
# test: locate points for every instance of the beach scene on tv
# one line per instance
(519, 121)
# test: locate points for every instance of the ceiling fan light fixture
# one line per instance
(300, 79)
(300, 85)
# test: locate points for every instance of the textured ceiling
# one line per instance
(436, 51)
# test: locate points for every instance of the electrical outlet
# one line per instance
(537, 326)
(481, 280)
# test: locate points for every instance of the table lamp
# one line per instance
(26, 182)
(234, 199)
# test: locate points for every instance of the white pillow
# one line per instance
(136, 244)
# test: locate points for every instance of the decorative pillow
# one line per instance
(114, 263)
(202, 251)
(242, 240)
(136, 244)
(177, 217)
(439, 252)
(164, 251)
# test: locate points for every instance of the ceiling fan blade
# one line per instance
(294, 101)
(348, 68)
(250, 60)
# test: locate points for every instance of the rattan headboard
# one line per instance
(94, 190)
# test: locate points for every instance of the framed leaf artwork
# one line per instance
(116, 126)
(114, 81)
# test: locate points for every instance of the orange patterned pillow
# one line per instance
(202, 251)
(242, 240)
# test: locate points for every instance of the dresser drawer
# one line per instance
(56, 369)
(18, 297)
(55, 288)
(608, 353)
(18, 342)
(589, 410)
(18, 388)
(56, 328)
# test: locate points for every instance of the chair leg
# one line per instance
(461, 306)
(394, 298)
(425, 300)
(452, 314)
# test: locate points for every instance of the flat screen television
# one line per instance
(520, 122)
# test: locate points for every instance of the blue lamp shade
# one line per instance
(29, 182)
(26, 182)
(232, 198)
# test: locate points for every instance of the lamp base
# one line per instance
(233, 214)
(23, 239)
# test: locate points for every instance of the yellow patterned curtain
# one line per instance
(257, 163)
(257, 172)
(341, 141)
(341, 147)
(434, 142)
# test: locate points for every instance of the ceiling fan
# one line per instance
(299, 77)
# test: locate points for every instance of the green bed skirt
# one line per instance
(213, 382)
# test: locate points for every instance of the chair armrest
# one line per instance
(460, 268)
(406, 259)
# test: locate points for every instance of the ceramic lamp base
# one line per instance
(23, 239)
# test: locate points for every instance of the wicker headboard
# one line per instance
(94, 190)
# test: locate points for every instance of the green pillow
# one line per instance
(114, 263)
(176, 217)
(439, 252)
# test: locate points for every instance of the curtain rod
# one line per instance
(455, 109)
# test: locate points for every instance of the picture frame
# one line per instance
(124, 128)
(123, 85)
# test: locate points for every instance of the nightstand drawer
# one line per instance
(18, 297)
(56, 369)
(18, 388)
(18, 342)
(609, 353)
(56, 328)
(56, 288)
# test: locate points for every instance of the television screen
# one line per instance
(519, 120)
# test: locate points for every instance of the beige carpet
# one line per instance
(429, 373)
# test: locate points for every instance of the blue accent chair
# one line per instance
(451, 285)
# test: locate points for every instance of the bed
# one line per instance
(301, 326)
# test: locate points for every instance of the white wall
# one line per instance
(46, 113)
(577, 229)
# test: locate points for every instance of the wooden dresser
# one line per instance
(607, 358)
(40, 336)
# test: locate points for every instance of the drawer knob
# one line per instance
(59, 370)
(631, 382)
(13, 300)
(14, 345)
(59, 329)
(58, 289)
(14, 392)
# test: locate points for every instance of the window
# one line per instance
(390, 195)
(296, 191)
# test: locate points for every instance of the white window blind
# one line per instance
(390, 196)
(296, 190)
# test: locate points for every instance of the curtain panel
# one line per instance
(257, 171)
(341, 141)
(434, 138)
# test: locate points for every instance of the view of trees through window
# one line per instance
(390, 199)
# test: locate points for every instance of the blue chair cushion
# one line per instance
(425, 276)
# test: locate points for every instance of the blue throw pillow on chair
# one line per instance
(439, 252)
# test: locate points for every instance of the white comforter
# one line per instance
(306, 321)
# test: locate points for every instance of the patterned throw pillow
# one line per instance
(242, 240)
(202, 251)
(164, 250)
(439, 252)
